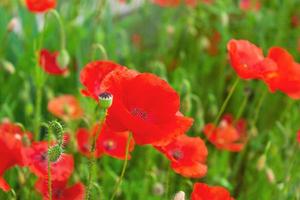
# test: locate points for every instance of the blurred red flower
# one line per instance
(187, 156)
(92, 75)
(287, 76)
(298, 136)
(229, 135)
(248, 60)
(147, 106)
(11, 149)
(109, 142)
(65, 107)
(174, 3)
(37, 6)
(250, 5)
(36, 157)
(60, 190)
(48, 62)
(202, 191)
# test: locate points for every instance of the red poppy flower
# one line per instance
(65, 107)
(11, 149)
(228, 135)
(287, 76)
(113, 143)
(145, 105)
(37, 6)
(298, 136)
(202, 191)
(93, 74)
(248, 60)
(60, 190)
(187, 156)
(48, 62)
(250, 5)
(109, 142)
(36, 157)
(167, 3)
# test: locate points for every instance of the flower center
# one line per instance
(139, 113)
(109, 145)
(177, 154)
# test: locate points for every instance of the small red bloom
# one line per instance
(298, 136)
(93, 74)
(202, 191)
(250, 5)
(65, 107)
(37, 6)
(187, 156)
(145, 105)
(248, 60)
(228, 135)
(287, 77)
(113, 143)
(48, 62)
(36, 157)
(11, 149)
(167, 3)
(109, 142)
(60, 190)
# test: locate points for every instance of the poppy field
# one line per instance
(150, 99)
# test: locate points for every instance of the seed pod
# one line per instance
(63, 58)
(105, 100)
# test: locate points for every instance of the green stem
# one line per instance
(123, 169)
(226, 100)
(49, 165)
(93, 158)
(37, 118)
(61, 28)
(242, 107)
(101, 49)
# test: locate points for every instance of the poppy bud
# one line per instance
(7, 66)
(158, 189)
(185, 88)
(270, 175)
(12, 24)
(105, 100)
(63, 58)
(54, 153)
(179, 196)
(261, 163)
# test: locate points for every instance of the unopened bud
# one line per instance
(105, 100)
(261, 163)
(158, 189)
(270, 175)
(63, 58)
(7, 66)
(12, 24)
(179, 196)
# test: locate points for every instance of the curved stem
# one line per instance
(61, 28)
(123, 169)
(101, 49)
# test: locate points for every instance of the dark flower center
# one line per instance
(109, 145)
(177, 154)
(139, 113)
